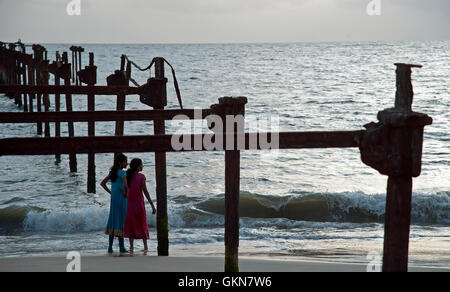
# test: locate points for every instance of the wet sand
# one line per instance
(181, 264)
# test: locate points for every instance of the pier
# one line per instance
(393, 145)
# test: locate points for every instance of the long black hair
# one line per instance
(134, 165)
(118, 160)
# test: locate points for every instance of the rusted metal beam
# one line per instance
(305, 140)
(69, 89)
(101, 116)
(163, 143)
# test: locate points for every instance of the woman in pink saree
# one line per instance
(136, 220)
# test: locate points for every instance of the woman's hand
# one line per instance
(104, 186)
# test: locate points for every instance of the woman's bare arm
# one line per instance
(104, 186)
(125, 186)
(147, 195)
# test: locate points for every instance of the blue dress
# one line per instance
(118, 209)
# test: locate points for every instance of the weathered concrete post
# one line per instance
(394, 147)
(60, 70)
(89, 77)
(118, 79)
(38, 58)
(154, 94)
(11, 66)
(20, 77)
(45, 81)
(232, 112)
(58, 65)
(69, 108)
(18, 96)
(159, 102)
(30, 75)
(76, 63)
(24, 82)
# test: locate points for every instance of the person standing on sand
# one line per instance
(136, 220)
(118, 209)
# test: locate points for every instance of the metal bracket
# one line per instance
(88, 75)
(394, 145)
(151, 93)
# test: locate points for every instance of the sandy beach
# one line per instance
(181, 264)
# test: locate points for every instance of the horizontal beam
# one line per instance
(52, 89)
(101, 116)
(163, 143)
(305, 140)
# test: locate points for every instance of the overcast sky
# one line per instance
(222, 21)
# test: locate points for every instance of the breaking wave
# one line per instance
(184, 212)
(354, 207)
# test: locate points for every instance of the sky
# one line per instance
(223, 21)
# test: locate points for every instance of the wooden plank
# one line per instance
(69, 89)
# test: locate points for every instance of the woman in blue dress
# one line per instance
(118, 209)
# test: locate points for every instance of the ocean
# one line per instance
(324, 204)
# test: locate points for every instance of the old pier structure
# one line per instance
(393, 145)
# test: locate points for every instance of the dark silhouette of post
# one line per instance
(91, 130)
(30, 82)
(159, 102)
(57, 104)
(45, 81)
(18, 71)
(69, 108)
(407, 138)
(394, 148)
(24, 82)
(120, 78)
(232, 109)
(89, 76)
(38, 58)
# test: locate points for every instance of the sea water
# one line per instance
(294, 203)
